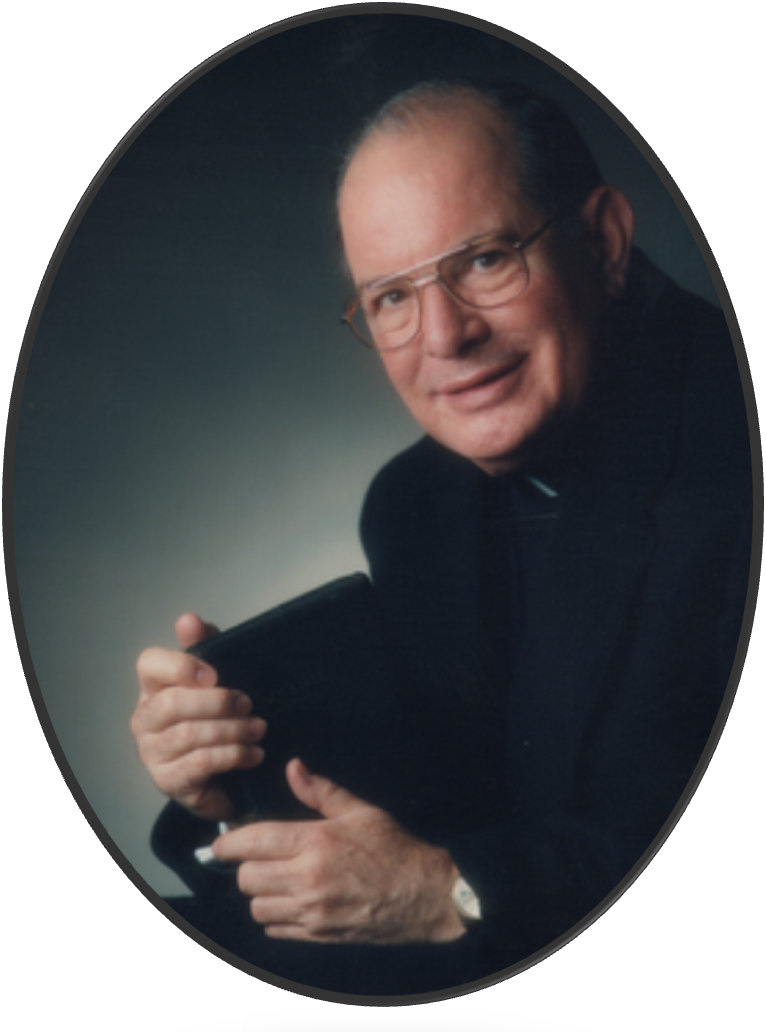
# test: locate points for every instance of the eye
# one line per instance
(386, 300)
(489, 260)
(392, 298)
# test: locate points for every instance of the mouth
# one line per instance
(485, 387)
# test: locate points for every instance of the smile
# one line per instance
(485, 388)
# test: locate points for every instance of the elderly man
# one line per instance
(576, 523)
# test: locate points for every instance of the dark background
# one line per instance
(197, 429)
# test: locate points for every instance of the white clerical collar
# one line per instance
(543, 488)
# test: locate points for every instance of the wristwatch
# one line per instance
(466, 902)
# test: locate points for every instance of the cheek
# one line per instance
(558, 376)
(574, 364)
(560, 352)
(574, 324)
(402, 368)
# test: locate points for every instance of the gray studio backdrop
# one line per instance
(197, 430)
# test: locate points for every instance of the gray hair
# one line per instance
(556, 169)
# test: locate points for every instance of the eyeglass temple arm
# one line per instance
(537, 233)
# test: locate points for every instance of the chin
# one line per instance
(505, 448)
(496, 449)
(498, 467)
(494, 460)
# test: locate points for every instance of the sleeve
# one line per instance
(540, 872)
(175, 836)
(538, 877)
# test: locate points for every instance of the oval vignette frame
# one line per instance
(50, 275)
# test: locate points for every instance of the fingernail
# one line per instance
(257, 727)
(206, 675)
(242, 704)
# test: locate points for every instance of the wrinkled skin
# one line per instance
(355, 876)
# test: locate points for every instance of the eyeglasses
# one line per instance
(486, 272)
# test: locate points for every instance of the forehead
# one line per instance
(414, 193)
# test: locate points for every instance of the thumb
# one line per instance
(190, 629)
(320, 793)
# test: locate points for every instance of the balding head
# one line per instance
(553, 165)
(492, 382)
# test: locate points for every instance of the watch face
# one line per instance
(466, 901)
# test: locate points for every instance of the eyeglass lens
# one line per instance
(485, 275)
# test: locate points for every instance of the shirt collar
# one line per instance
(542, 487)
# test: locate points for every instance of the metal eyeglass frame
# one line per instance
(353, 303)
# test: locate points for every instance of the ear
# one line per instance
(608, 217)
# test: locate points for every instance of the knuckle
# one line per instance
(146, 662)
(312, 887)
(158, 667)
(322, 842)
(233, 755)
(185, 736)
(314, 875)
(200, 764)
(136, 723)
(317, 917)
(165, 705)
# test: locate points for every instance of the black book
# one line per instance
(326, 672)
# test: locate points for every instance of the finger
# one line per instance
(208, 801)
(290, 917)
(267, 878)
(300, 932)
(277, 910)
(263, 840)
(320, 793)
(192, 772)
(191, 628)
(178, 703)
(193, 735)
(159, 668)
(295, 931)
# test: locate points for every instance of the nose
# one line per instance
(448, 328)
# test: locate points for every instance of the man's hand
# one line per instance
(356, 876)
(187, 729)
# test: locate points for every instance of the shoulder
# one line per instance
(677, 401)
(658, 313)
(694, 412)
(680, 333)
(420, 467)
(414, 500)
(425, 470)
(714, 436)
(399, 494)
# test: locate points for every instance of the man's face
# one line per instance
(487, 383)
